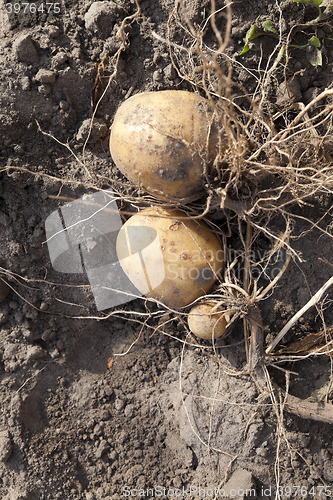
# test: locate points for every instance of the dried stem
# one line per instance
(313, 301)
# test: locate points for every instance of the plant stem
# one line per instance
(300, 313)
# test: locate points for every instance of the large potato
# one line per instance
(169, 259)
(163, 141)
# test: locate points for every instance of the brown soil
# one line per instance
(74, 424)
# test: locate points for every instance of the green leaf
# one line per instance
(251, 35)
(268, 25)
(316, 3)
(315, 42)
(316, 59)
(246, 48)
(248, 35)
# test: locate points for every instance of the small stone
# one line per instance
(129, 411)
(54, 31)
(46, 76)
(4, 317)
(108, 391)
(63, 382)
(11, 366)
(90, 496)
(170, 72)
(99, 130)
(54, 354)
(25, 50)
(25, 83)
(156, 58)
(103, 447)
(63, 105)
(123, 437)
(13, 305)
(105, 415)
(6, 446)
(157, 75)
(59, 59)
(98, 430)
(27, 335)
(177, 482)
(19, 149)
(44, 306)
(119, 404)
(77, 53)
(44, 89)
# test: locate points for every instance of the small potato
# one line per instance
(205, 321)
(168, 256)
(163, 141)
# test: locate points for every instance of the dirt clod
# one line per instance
(6, 446)
(241, 485)
(100, 18)
(25, 50)
(46, 76)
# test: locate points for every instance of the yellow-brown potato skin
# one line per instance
(162, 141)
(204, 322)
(192, 256)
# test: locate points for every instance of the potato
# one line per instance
(205, 321)
(172, 260)
(163, 141)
